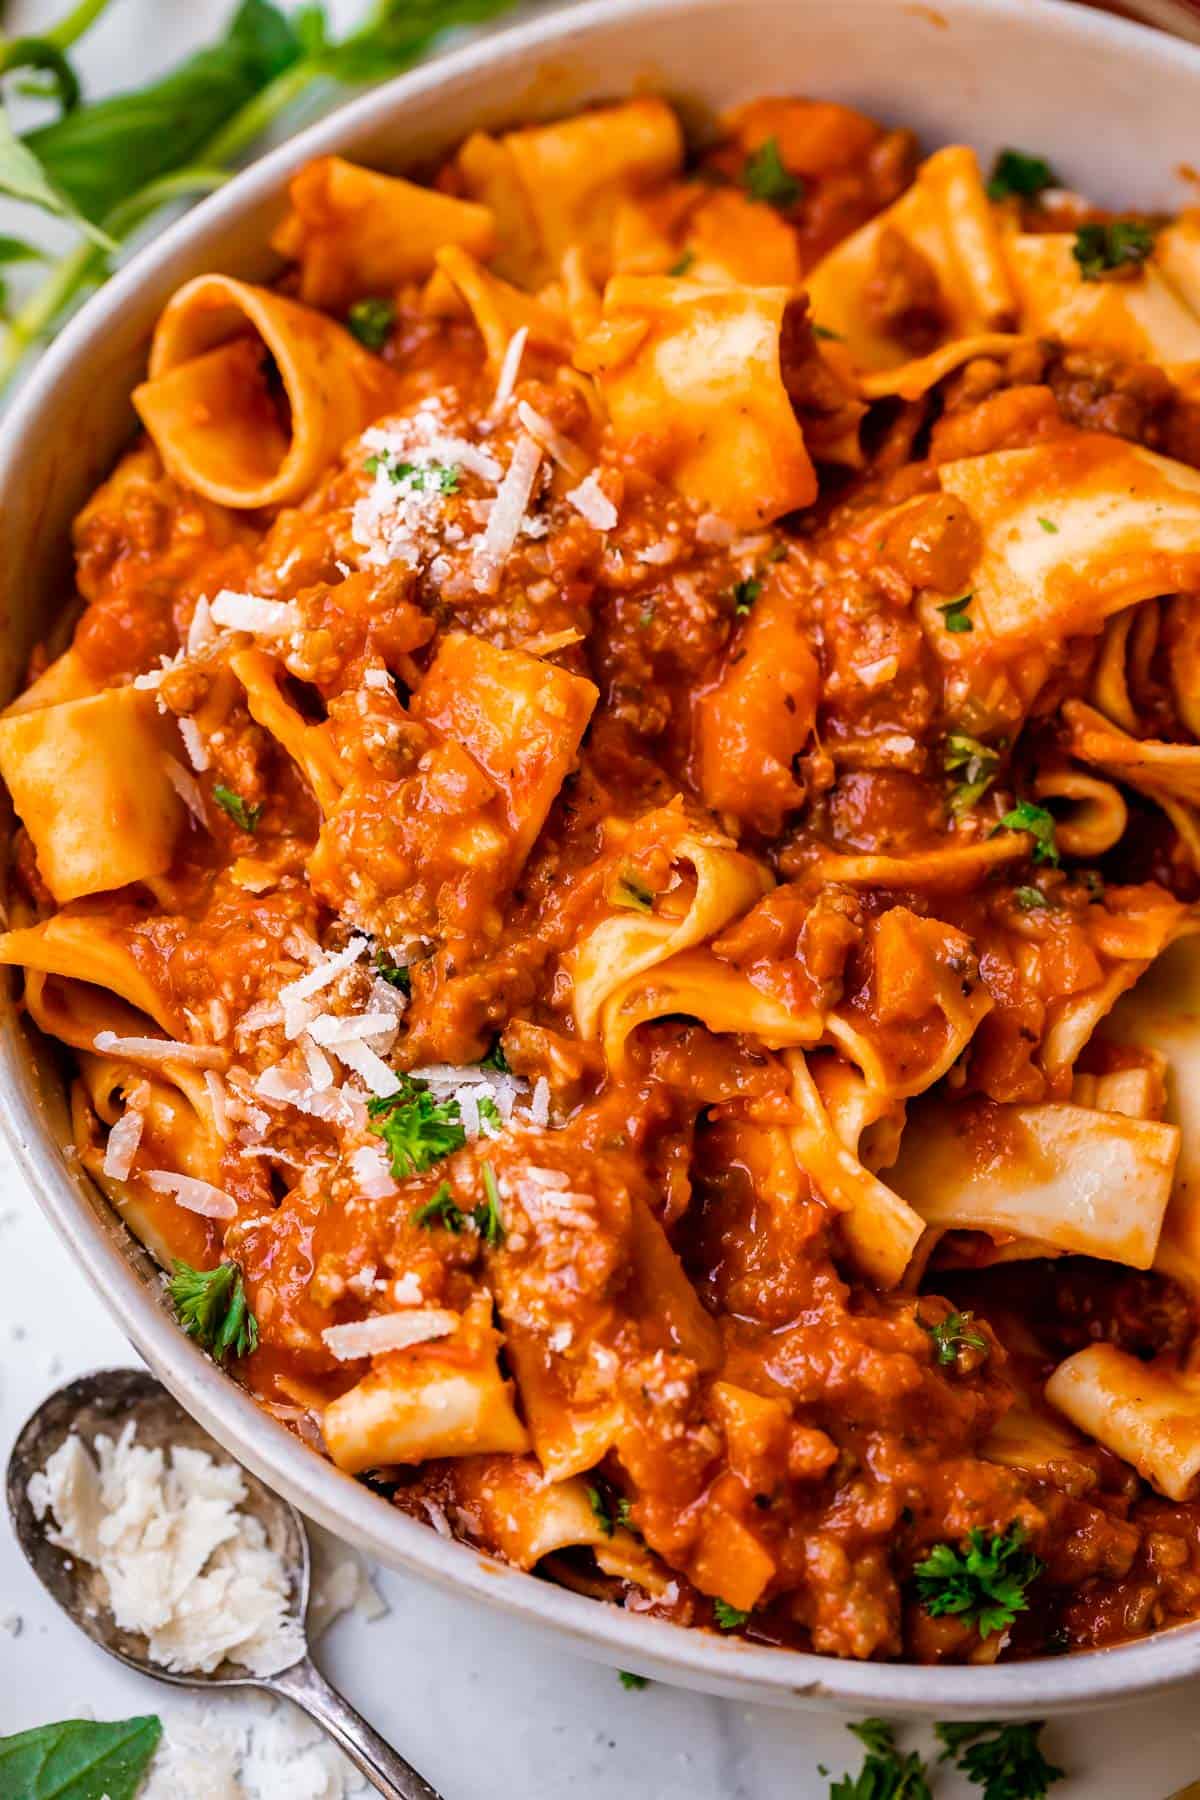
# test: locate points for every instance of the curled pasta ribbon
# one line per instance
(1181, 636)
(914, 379)
(881, 1230)
(1145, 319)
(698, 985)
(209, 407)
(1082, 1182)
(720, 883)
(1125, 651)
(179, 1133)
(1098, 814)
(446, 1398)
(78, 949)
(89, 780)
(1126, 528)
(554, 187)
(309, 746)
(498, 309)
(1148, 1414)
(929, 269)
(1168, 774)
(702, 366)
(957, 866)
(354, 231)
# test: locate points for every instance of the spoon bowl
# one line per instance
(105, 1404)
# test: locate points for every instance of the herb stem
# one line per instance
(64, 280)
(80, 19)
(252, 119)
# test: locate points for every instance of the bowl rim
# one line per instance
(692, 1658)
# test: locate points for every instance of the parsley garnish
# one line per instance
(957, 1331)
(1031, 899)
(624, 1511)
(744, 596)
(823, 331)
(729, 1617)
(240, 812)
(978, 764)
(495, 1059)
(954, 614)
(627, 890)
(1049, 526)
(489, 1112)
(416, 478)
(646, 616)
(1015, 173)
(417, 1129)
(1004, 1760)
(600, 1511)
(636, 1682)
(766, 178)
(441, 1210)
(371, 321)
(885, 1774)
(1026, 816)
(683, 262)
(488, 1222)
(211, 1306)
(392, 972)
(1113, 250)
(983, 1583)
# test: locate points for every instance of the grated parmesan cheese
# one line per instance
(159, 1050)
(388, 1331)
(247, 612)
(177, 1560)
(122, 1145)
(561, 449)
(196, 1196)
(193, 743)
(509, 369)
(593, 504)
(201, 630)
(186, 787)
(508, 511)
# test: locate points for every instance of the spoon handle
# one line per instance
(374, 1758)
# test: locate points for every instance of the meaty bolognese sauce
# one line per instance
(614, 844)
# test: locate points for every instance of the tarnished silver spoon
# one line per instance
(105, 1402)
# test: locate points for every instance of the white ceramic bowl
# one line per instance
(1114, 107)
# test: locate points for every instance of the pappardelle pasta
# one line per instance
(615, 843)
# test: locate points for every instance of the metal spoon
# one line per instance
(105, 1402)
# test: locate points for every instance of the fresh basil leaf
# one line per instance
(79, 1759)
(14, 250)
(105, 151)
(400, 31)
(23, 177)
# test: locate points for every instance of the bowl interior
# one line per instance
(1073, 86)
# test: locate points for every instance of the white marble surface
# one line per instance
(484, 1707)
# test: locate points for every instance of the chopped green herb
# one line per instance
(744, 596)
(371, 321)
(417, 1129)
(211, 1306)
(1032, 899)
(634, 1682)
(983, 1582)
(624, 1511)
(489, 1112)
(1093, 881)
(978, 763)
(416, 478)
(1015, 173)
(441, 1210)
(765, 177)
(954, 614)
(777, 553)
(1006, 1761)
(729, 1617)
(1026, 816)
(600, 1510)
(646, 616)
(885, 1774)
(239, 810)
(1105, 252)
(823, 331)
(79, 1759)
(495, 1059)
(394, 973)
(627, 890)
(683, 262)
(488, 1222)
(957, 1331)
(1049, 526)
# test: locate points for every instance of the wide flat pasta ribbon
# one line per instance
(209, 407)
